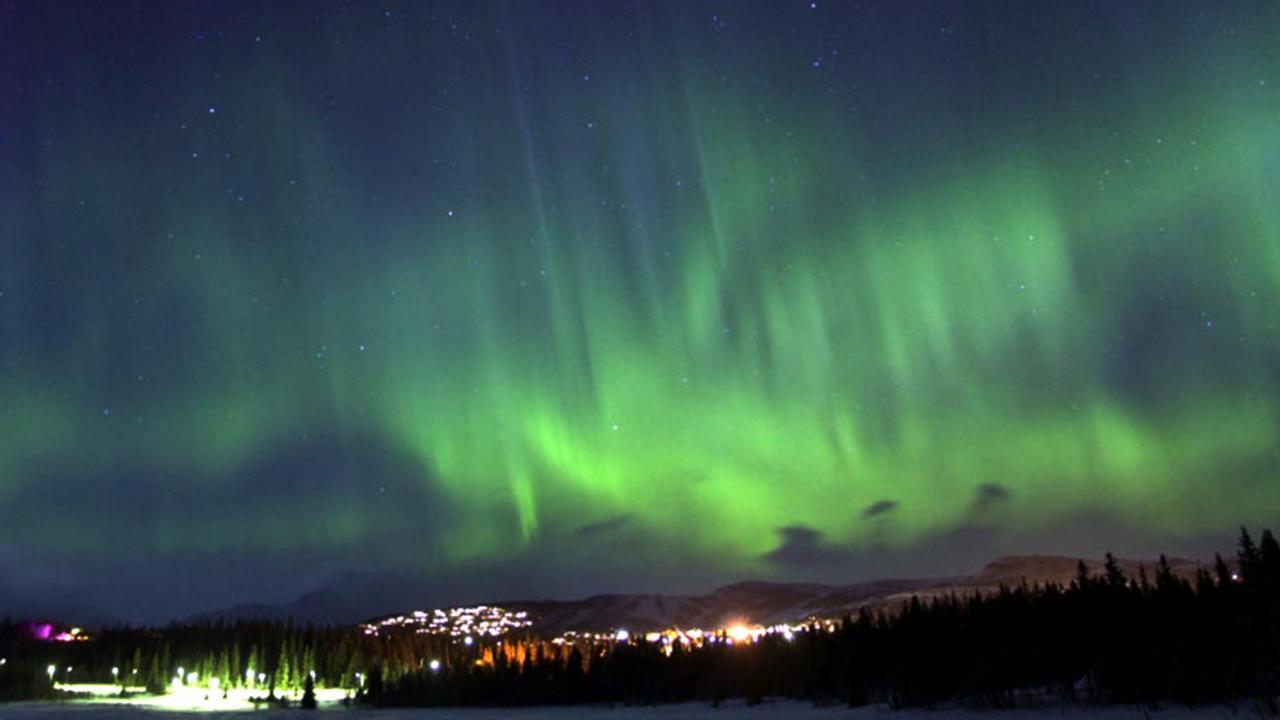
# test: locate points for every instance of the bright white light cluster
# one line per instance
(465, 623)
(737, 633)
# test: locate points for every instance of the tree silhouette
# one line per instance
(309, 694)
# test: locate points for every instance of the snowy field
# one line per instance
(767, 711)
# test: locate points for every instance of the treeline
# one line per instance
(1104, 638)
(274, 658)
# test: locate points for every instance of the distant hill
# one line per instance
(768, 603)
(752, 602)
(322, 607)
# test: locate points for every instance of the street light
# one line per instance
(51, 670)
(115, 673)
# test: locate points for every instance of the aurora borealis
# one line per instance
(508, 297)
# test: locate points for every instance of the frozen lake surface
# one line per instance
(691, 711)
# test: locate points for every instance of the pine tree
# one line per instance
(253, 666)
(1221, 570)
(309, 694)
(373, 686)
(222, 670)
(233, 665)
(282, 678)
(133, 673)
(156, 677)
(1082, 581)
(354, 665)
(1249, 558)
(1269, 560)
(1115, 576)
(1166, 581)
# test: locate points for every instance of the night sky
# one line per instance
(552, 298)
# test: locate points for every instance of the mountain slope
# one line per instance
(751, 602)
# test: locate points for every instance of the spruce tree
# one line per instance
(1115, 576)
(309, 694)
(308, 662)
(233, 665)
(157, 678)
(254, 666)
(282, 678)
(222, 670)
(133, 673)
(1249, 558)
(1269, 560)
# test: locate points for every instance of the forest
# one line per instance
(1103, 638)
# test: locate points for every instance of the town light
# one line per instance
(622, 636)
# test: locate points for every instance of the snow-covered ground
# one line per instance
(692, 711)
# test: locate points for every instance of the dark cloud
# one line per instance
(881, 507)
(606, 526)
(804, 547)
(989, 495)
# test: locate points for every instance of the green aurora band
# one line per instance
(712, 305)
